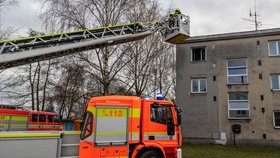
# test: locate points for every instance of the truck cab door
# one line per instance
(86, 135)
(161, 126)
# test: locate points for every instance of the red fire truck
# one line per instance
(127, 126)
(20, 120)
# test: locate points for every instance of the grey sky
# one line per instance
(207, 16)
(221, 16)
(22, 16)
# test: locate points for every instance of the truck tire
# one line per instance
(150, 154)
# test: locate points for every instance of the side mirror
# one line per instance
(170, 128)
(179, 119)
(179, 115)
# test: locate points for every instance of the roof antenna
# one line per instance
(255, 16)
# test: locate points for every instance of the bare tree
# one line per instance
(5, 4)
(103, 64)
(69, 91)
(36, 85)
(163, 73)
(5, 32)
(33, 82)
(142, 56)
(106, 65)
(152, 66)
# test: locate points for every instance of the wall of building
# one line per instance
(204, 117)
(200, 111)
(260, 123)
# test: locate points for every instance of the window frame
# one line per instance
(274, 124)
(236, 109)
(277, 48)
(199, 91)
(236, 67)
(205, 50)
(278, 82)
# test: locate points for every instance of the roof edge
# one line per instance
(234, 35)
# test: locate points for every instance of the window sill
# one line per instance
(193, 62)
(198, 94)
(238, 84)
(239, 118)
(277, 127)
(274, 55)
(275, 90)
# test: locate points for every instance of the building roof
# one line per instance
(234, 35)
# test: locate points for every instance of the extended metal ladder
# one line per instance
(31, 49)
(22, 51)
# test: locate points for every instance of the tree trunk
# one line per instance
(31, 87)
(45, 86)
(38, 86)
(106, 71)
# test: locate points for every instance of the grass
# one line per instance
(220, 151)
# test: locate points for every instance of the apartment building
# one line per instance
(228, 81)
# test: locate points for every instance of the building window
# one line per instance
(198, 54)
(275, 82)
(276, 119)
(237, 71)
(198, 86)
(274, 48)
(238, 105)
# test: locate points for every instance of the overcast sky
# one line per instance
(207, 16)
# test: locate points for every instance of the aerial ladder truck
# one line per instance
(114, 126)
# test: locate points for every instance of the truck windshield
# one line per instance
(161, 113)
(57, 119)
(86, 129)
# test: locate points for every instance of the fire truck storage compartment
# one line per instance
(43, 147)
(13, 122)
(111, 126)
(60, 144)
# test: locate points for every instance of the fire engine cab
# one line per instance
(127, 126)
(20, 120)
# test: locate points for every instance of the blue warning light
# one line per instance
(147, 97)
(159, 96)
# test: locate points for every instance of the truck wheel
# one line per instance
(150, 154)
